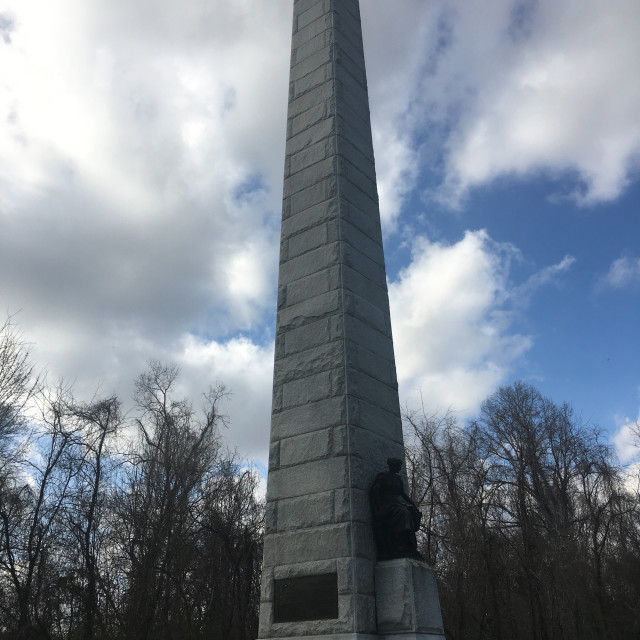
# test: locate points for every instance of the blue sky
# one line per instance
(141, 163)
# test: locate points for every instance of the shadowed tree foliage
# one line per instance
(101, 540)
(528, 523)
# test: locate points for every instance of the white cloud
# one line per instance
(246, 369)
(451, 324)
(142, 152)
(623, 272)
(513, 89)
(627, 440)
(631, 478)
(544, 276)
(454, 309)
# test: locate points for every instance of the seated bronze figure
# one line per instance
(395, 517)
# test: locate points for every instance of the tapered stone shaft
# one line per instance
(336, 415)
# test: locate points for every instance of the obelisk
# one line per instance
(335, 416)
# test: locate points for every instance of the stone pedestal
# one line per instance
(407, 603)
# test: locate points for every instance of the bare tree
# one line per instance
(18, 384)
(527, 521)
(31, 507)
(86, 516)
(177, 454)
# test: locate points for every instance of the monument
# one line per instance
(335, 416)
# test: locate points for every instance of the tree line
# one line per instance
(141, 526)
(121, 527)
(532, 526)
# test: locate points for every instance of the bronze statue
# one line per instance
(395, 517)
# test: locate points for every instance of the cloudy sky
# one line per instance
(141, 163)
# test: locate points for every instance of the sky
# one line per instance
(141, 167)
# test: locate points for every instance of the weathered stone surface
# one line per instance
(372, 364)
(312, 154)
(367, 387)
(369, 313)
(311, 63)
(375, 293)
(311, 286)
(336, 636)
(409, 636)
(312, 29)
(274, 454)
(366, 202)
(304, 545)
(310, 262)
(306, 447)
(305, 479)
(362, 242)
(355, 575)
(370, 338)
(352, 127)
(308, 176)
(314, 195)
(306, 50)
(321, 94)
(352, 504)
(313, 388)
(313, 79)
(309, 310)
(271, 518)
(305, 512)
(313, 238)
(350, 66)
(375, 419)
(312, 334)
(407, 599)
(324, 357)
(314, 12)
(371, 447)
(363, 264)
(362, 178)
(303, 220)
(305, 568)
(312, 129)
(361, 221)
(317, 415)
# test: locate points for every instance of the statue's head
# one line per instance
(394, 464)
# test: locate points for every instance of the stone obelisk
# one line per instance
(335, 416)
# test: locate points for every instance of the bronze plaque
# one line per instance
(306, 598)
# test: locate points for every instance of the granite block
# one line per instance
(368, 337)
(305, 545)
(309, 310)
(310, 262)
(303, 220)
(311, 63)
(314, 195)
(312, 132)
(306, 448)
(313, 388)
(324, 357)
(315, 11)
(305, 512)
(314, 153)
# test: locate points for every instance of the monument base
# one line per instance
(339, 636)
(411, 636)
(407, 603)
